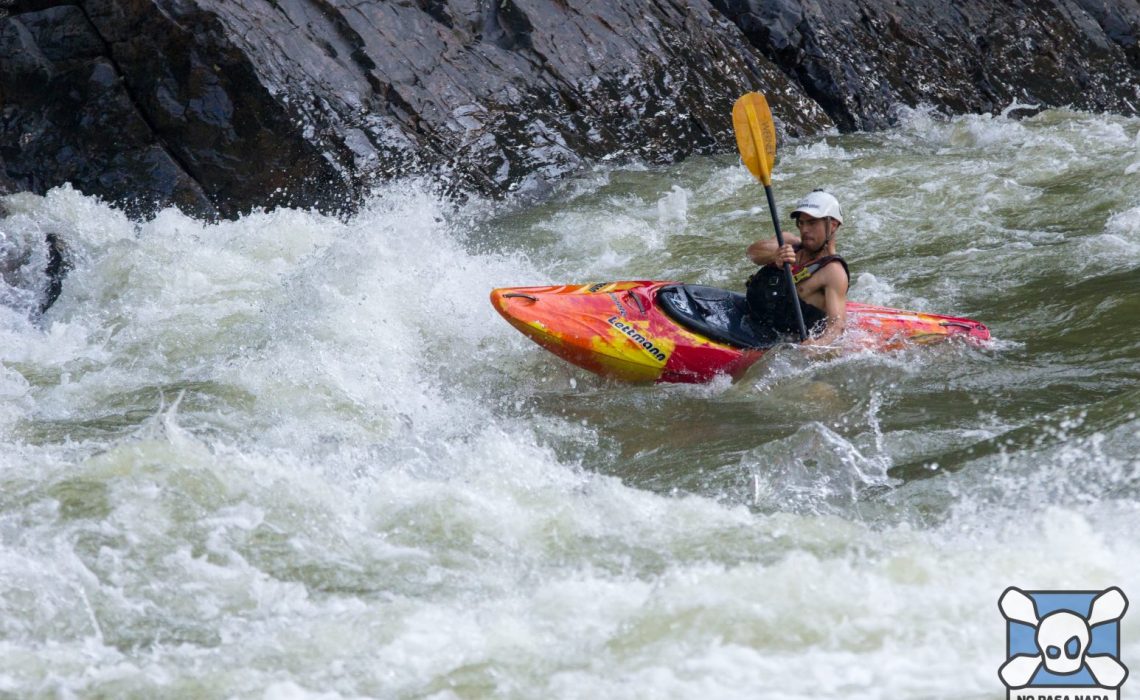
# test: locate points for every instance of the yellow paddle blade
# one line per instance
(755, 135)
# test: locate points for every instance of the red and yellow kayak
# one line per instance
(647, 331)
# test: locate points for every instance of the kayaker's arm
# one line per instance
(764, 251)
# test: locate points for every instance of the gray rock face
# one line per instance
(510, 93)
(145, 108)
(219, 106)
(859, 58)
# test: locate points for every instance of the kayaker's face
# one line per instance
(813, 231)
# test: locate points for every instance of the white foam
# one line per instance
(1117, 246)
(673, 206)
(821, 150)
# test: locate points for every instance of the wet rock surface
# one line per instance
(146, 109)
(33, 267)
(861, 58)
(218, 106)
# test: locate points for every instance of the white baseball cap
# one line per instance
(820, 205)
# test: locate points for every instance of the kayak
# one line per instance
(654, 331)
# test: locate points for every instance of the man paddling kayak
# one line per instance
(645, 331)
(820, 286)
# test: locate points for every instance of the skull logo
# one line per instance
(1063, 639)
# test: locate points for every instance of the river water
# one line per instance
(297, 456)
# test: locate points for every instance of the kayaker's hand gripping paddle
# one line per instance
(756, 138)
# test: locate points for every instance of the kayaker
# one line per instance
(821, 286)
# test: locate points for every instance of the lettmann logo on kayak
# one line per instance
(637, 338)
(1063, 645)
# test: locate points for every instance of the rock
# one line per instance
(861, 58)
(147, 111)
(58, 265)
(32, 268)
(66, 116)
(223, 105)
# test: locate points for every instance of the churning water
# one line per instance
(294, 456)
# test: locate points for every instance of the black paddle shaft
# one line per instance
(794, 298)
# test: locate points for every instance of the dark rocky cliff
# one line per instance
(859, 58)
(223, 105)
(219, 105)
